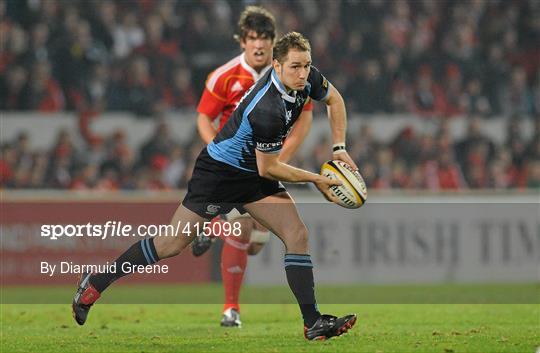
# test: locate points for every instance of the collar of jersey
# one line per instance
(281, 88)
(255, 74)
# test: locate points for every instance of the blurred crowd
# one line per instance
(429, 57)
(411, 160)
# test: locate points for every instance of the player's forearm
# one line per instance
(337, 115)
(290, 147)
(207, 131)
(296, 137)
(284, 172)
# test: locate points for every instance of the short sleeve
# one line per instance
(214, 97)
(319, 85)
(210, 105)
(267, 131)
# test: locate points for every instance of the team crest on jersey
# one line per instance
(288, 115)
(237, 87)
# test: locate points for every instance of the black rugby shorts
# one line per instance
(216, 188)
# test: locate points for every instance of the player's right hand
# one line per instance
(345, 157)
(323, 184)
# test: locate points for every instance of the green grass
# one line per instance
(515, 293)
(444, 328)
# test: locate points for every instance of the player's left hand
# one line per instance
(324, 184)
(344, 156)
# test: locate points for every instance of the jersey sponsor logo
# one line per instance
(269, 146)
(212, 209)
(237, 87)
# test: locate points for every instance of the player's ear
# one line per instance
(276, 65)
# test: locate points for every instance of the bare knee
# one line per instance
(296, 240)
(175, 240)
(255, 248)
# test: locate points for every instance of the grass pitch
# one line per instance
(444, 328)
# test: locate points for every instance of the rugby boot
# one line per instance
(84, 299)
(328, 326)
(231, 318)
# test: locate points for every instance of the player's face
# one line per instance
(294, 71)
(257, 49)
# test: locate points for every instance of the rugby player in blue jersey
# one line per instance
(240, 168)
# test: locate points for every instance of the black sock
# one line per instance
(141, 253)
(299, 271)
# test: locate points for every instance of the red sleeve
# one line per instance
(308, 106)
(214, 97)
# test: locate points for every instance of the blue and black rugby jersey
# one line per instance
(263, 119)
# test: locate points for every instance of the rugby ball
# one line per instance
(353, 191)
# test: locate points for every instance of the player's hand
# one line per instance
(323, 184)
(344, 156)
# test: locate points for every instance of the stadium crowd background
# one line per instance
(434, 59)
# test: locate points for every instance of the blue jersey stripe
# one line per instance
(297, 257)
(229, 151)
(255, 100)
(147, 244)
(145, 253)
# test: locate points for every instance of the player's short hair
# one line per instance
(258, 19)
(291, 40)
